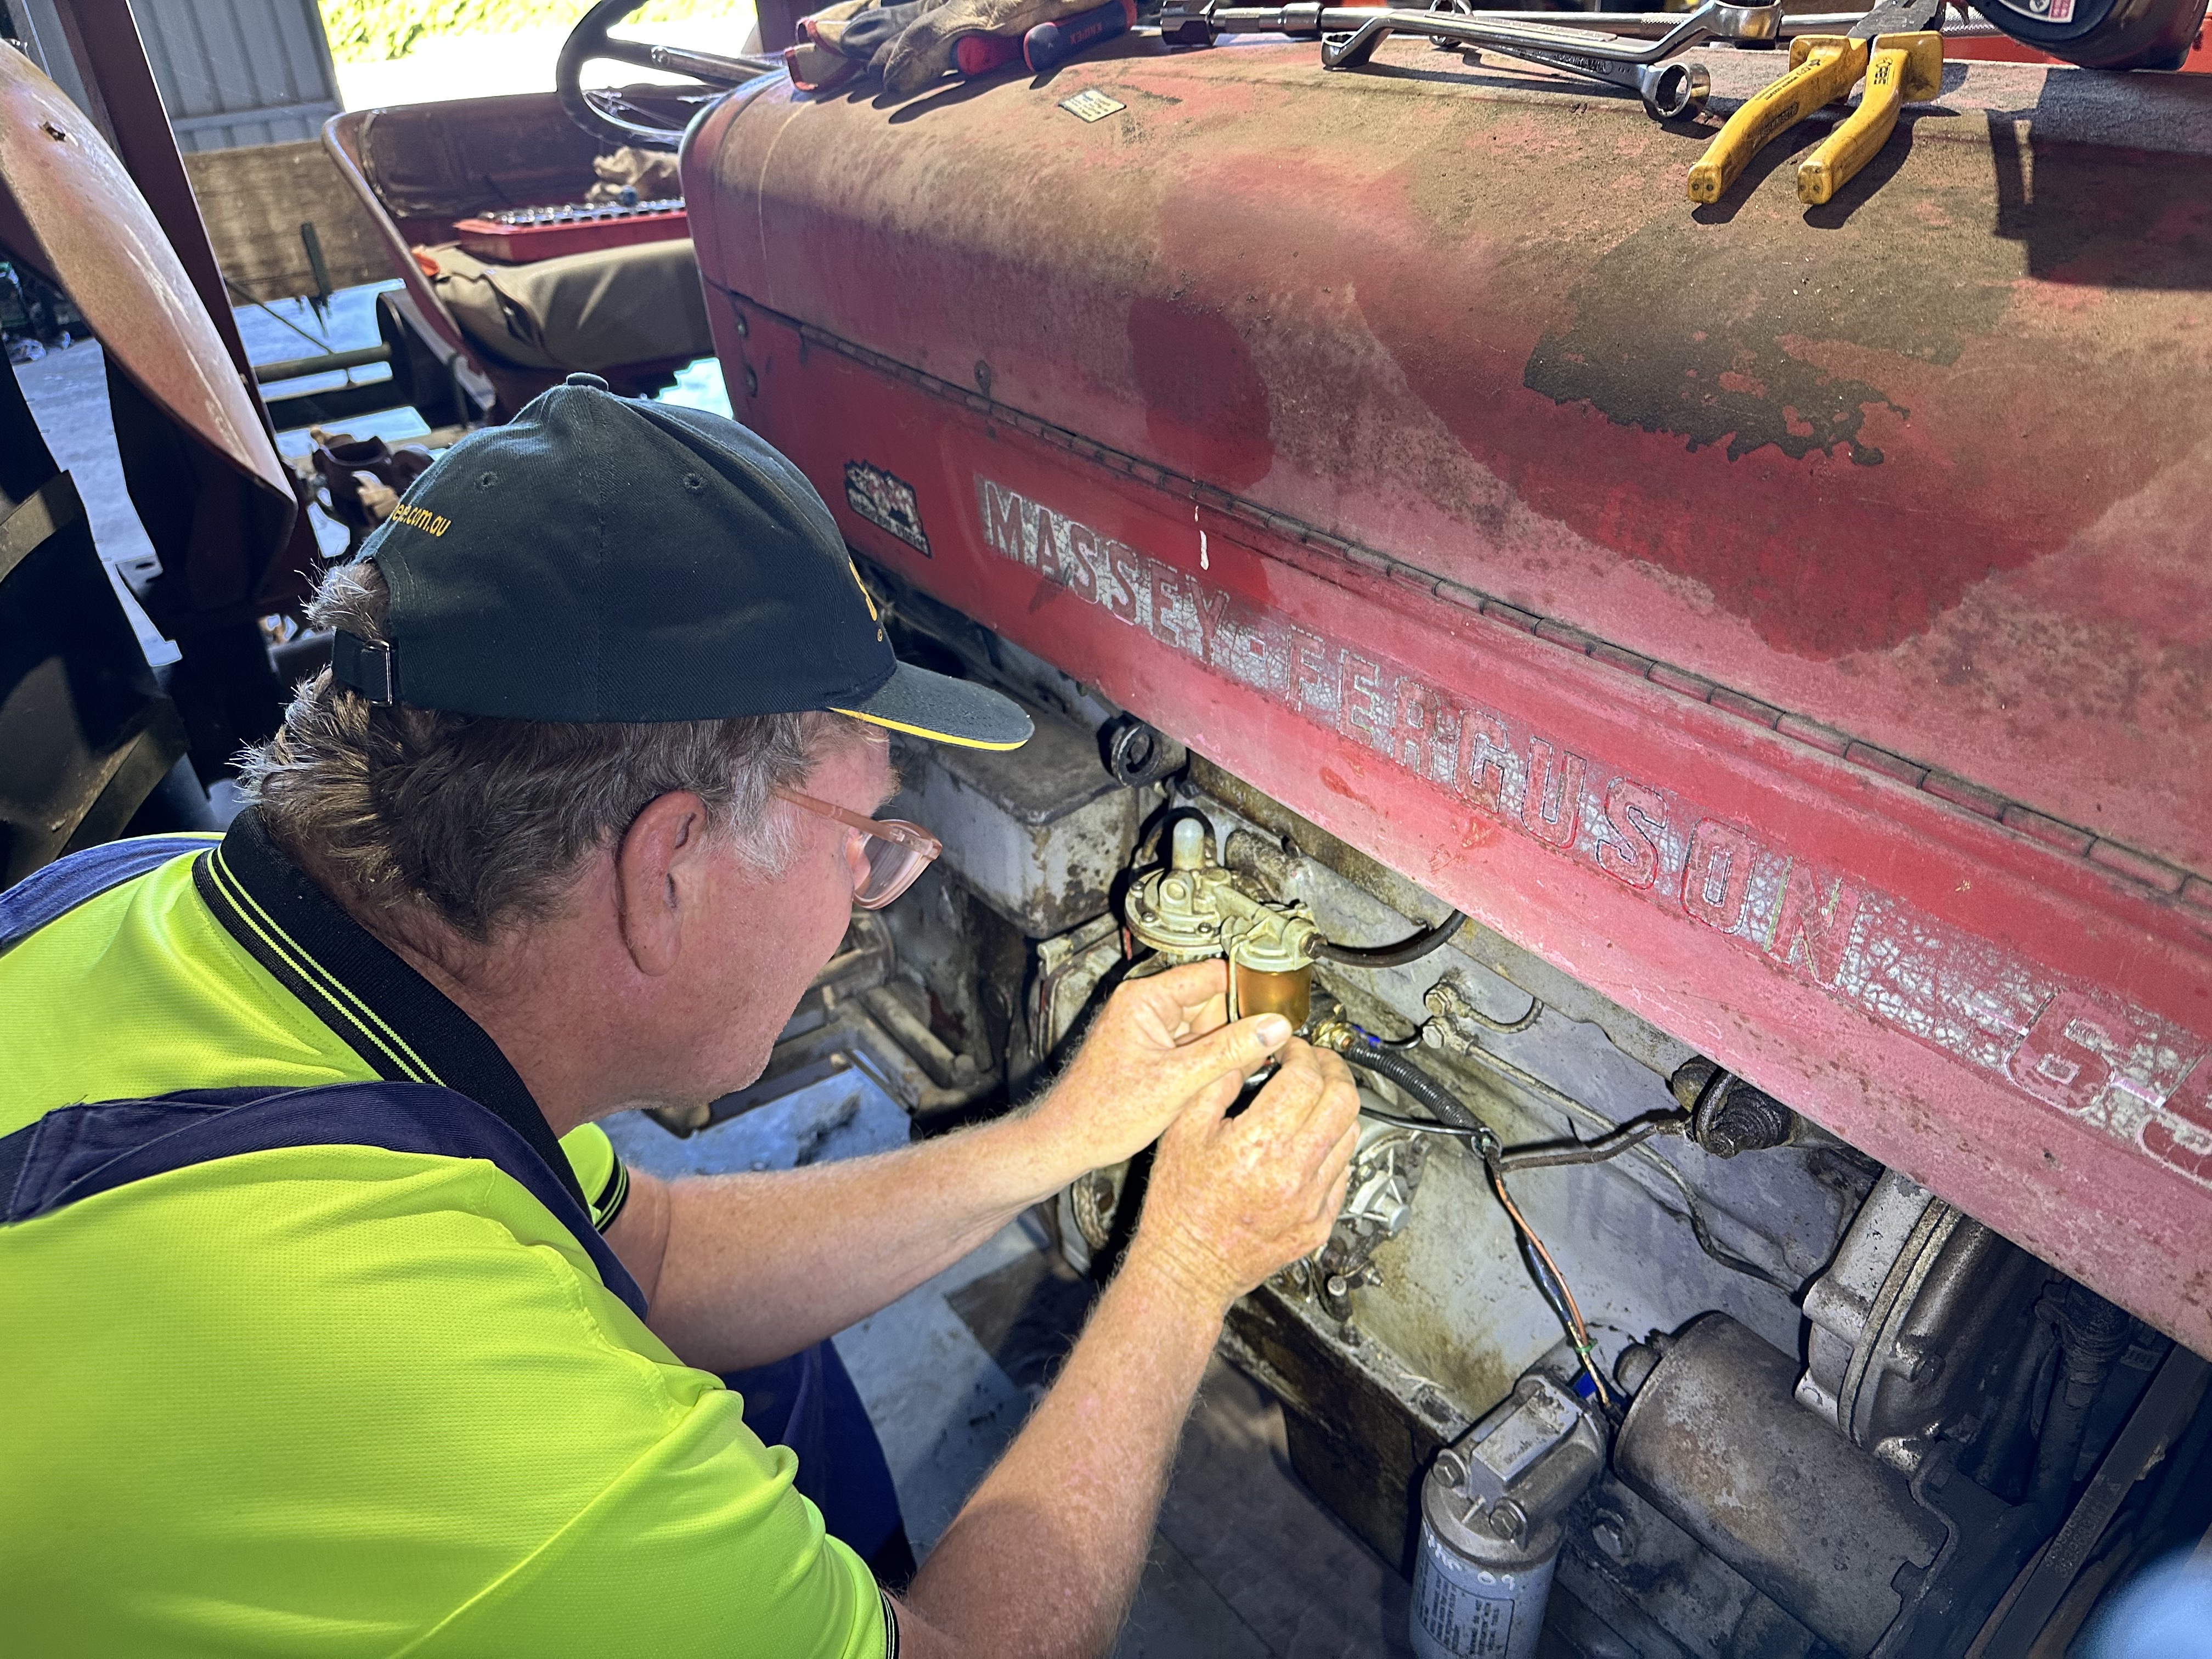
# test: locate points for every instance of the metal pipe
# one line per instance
(1630, 1134)
(712, 67)
(913, 1034)
(328, 362)
(1653, 25)
(2004, 1431)
(1195, 25)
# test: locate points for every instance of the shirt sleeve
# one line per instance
(599, 1172)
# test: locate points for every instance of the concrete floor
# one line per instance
(1245, 1563)
(67, 390)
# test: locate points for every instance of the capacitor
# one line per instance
(1478, 1595)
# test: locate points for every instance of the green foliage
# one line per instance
(372, 31)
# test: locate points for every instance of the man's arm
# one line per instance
(1042, 1561)
(743, 1269)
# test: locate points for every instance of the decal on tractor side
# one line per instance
(886, 502)
(2140, 1078)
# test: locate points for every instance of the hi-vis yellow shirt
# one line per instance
(380, 1392)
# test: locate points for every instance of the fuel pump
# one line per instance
(1193, 909)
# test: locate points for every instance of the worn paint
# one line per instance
(1406, 266)
(1411, 289)
(2099, 1058)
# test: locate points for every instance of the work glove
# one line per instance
(848, 39)
(868, 35)
(925, 50)
(819, 26)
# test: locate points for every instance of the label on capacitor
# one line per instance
(1460, 1614)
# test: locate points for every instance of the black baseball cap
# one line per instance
(604, 558)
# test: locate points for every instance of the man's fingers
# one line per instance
(1204, 1109)
(1337, 1090)
(1193, 985)
(1236, 1050)
(1324, 1217)
(1331, 1118)
(1338, 1153)
(1207, 1016)
(1285, 1107)
(1181, 997)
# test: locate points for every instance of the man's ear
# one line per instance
(660, 879)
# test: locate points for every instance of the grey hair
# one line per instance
(482, 821)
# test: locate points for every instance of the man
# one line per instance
(310, 1338)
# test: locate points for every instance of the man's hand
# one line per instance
(1231, 1199)
(1071, 1505)
(1156, 1045)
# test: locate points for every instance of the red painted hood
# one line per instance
(1929, 465)
(1793, 624)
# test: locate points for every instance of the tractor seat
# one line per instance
(634, 315)
(611, 309)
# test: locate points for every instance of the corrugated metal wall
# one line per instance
(235, 72)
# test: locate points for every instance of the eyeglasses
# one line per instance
(891, 855)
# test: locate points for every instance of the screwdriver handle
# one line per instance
(1049, 46)
(1822, 68)
(1902, 69)
(984, 54)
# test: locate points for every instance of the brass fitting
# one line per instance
(1334, 1033)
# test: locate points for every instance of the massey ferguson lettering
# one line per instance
(2142, 1079)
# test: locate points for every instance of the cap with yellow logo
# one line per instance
(600, 558)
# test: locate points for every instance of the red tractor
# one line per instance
(1708, 705)
(1782, 634)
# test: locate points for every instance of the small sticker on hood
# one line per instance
(1090, 104)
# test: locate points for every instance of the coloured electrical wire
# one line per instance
(1552, 1283)
(1543, 1155)
(1357, 1047)
(1363, 1048)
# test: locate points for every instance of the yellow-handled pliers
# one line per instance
(1906, 63)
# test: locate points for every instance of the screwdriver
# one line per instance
(984, 54)
(1049, 46)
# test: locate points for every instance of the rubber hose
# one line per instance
(1442, 1102)
(1389, 956)
(2064, 1423)
(2092, 1332)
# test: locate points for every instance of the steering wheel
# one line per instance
(604, 112)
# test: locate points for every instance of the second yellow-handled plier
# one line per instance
(1906, 63)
